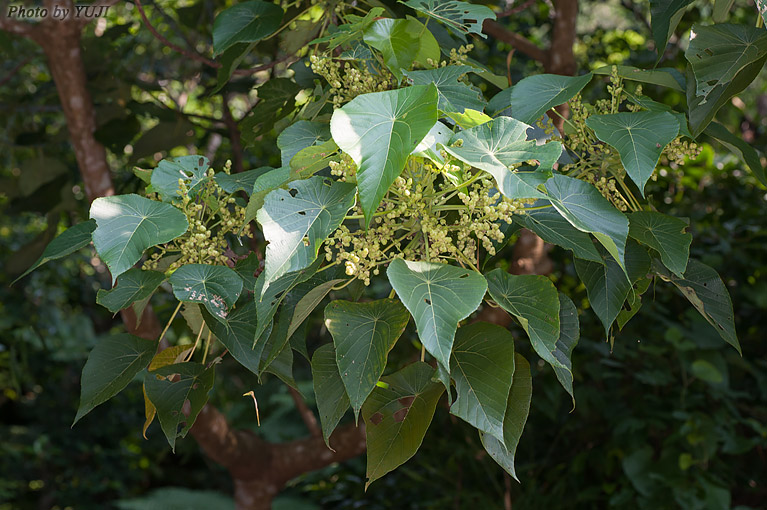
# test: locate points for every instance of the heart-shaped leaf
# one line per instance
(500, 143)
(111, 365)
(586, 209)
(482, 367)
(245, 22)
(190, 169)
(438, 297)
(639, 138)
(332, 401)
(296, 221)
(68, 242)
(664, 234)
(454, 95)
(217, 287)
(517, 410)
(397, 417)
(533, 96)
(533, 300)
(168, 394)
(129, 224)
(379, 131)
(401, 43)
(461, 17)
(133, 285)
(363, 334)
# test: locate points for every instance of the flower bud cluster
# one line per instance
(345, 169)
(347, 81)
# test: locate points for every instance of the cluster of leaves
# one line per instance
(433, 122)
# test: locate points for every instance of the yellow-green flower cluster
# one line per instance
(347, 81)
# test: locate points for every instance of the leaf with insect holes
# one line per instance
(190, 169)
(216, 287)
(126, 225)
(461, 17)
(296, 221)
(397, 417)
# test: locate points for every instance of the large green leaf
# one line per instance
(241, 181)
(482, 368)
(717, 53)
(265, 184)
(397, 417)
(169, 387)
(639, 138)
(429, 148)
(569, 333)
(703, 287)
(296, 221)
(654, 106)
(500, 143)
(454, 95)
(553, 228)
(702, 110)
(738, 146)
(517, 411)
(379, 131)
(363, 334)
(607, 285)
(664, 18)
(310, 160)
(461, 17)
(301, 135)
(438, 296)
(217, 287)
(533, 96)
(663, 76)
(309, 300)
(401, 43)
(71, 240)
(245, 22)
(533, 300)
(236, 333)
(332, 401)
(190, 169)
(111, 365)
(586, 209)
(664, 234)
(133, 285)
(129, 224)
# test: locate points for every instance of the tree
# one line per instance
(457, 201)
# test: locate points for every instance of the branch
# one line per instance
(306, 414)
(516, 10)
(499, 32)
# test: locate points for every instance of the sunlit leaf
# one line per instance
(216, 287)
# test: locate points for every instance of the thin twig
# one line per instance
(15, 70)
(306, 414)
(516, 10)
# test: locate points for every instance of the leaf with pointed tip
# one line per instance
(379, 131)
(438, 297)
(663, 76)
(111, 365)
(500, 143)
(550, 226)
(401, 43)
(296, 221)
(654, 106)
(664, 18)
(460, 17)
(193, 383)
(68, 242)
(469, 118)
(236, 333)
(190, 169)
(217, 287)
(606, 283)
(569, 333)
(301, 135)
(397, 418)
(533, 96)
(703, 287)
(310, 160)
(639, 138)
(240, 181)
(717, 53)
(246, 22)
(129, 224)
(363, 335)
(133, 285)
(533, 300)
(309, 302)
(482, 366)
(332, 401)
(517, 410)
(738, 146)
(454, 95)
(586, 209)
(664, 234)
